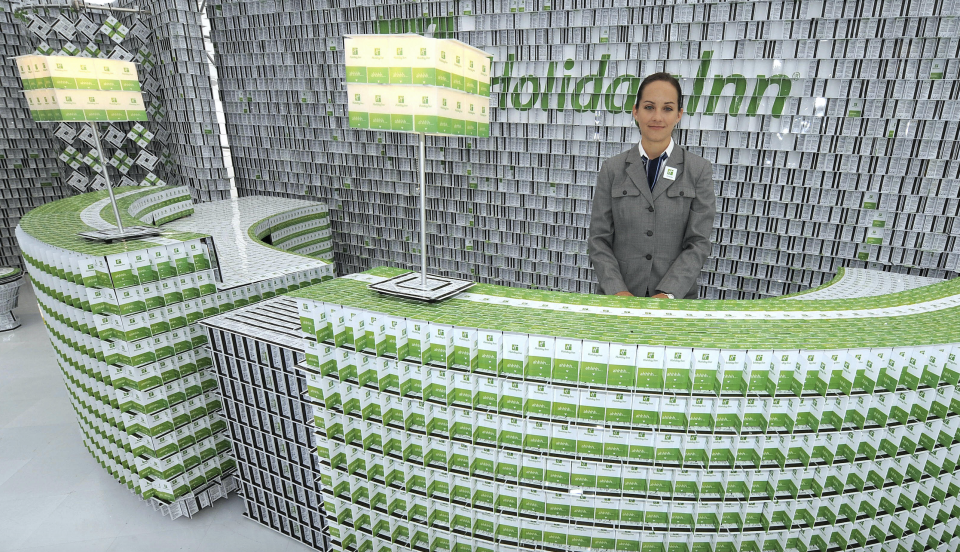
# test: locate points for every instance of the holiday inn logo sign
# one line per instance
(561, 90)
(769, 82)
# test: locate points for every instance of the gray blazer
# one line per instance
(648, 242)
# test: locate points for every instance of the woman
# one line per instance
(654, 205)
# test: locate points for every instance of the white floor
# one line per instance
(53, 494)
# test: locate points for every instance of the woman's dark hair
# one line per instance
(665, 77)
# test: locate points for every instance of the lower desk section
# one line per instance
(425, 446)
(255, 351)
(506, 419)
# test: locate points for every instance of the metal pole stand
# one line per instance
(118, 233)
(421, 286)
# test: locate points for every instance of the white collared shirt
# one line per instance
(643, 152)
(663, 165)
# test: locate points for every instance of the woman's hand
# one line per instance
(625, 294)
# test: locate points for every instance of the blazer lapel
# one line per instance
(676, 161)
(638, 174)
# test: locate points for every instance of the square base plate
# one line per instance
(409, 286)
(114, 234)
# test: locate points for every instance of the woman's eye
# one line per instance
(668, 109)
(648, 108)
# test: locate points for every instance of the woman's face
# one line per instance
(658, 111)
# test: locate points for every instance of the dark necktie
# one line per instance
(653, 168)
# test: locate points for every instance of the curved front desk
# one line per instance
(123, 319)
(509, 419)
